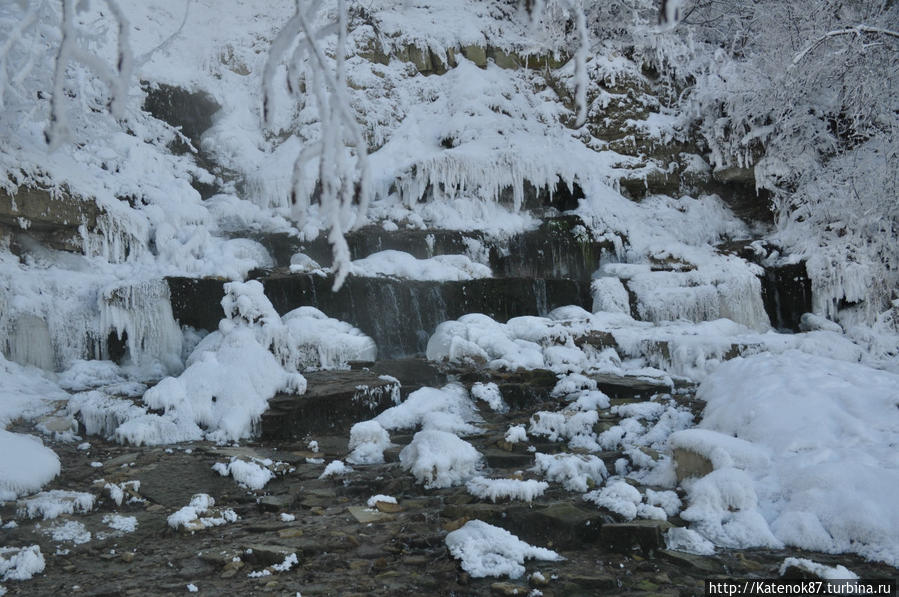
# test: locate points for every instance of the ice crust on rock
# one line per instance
(397, 264)
(574, 471)
(21, 563)
(440, 459)
(486, 550)
(51, 504)
(253, 474)
(821, 571)
(512, 489)
(191, 518)
(368, 440)
(449, 408)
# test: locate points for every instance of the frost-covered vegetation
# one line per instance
(683, 162)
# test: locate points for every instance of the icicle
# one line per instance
(143, 312)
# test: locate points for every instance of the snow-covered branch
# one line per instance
(857, 31)
(117, 79)
(343, 170)
(576, 10)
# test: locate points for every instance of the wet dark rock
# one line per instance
(421, 244)
(50, 218)
(561, 247)
(562, 525)
(626, 386)
(412, 373)
(688, 560)
(197, 302)
(173, 481)
(787, 294)
(190, 111)
(625, 536)
(588, 584)
(502, 459)
(333, 402)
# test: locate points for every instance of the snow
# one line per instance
(117, 490)
(228, 380)
(125, 524)
(335, 468)
(368, 440)
(447, 409)
(51, 504)
(573, 425)
(512, 489)
(440, 459)
(26, 464)
(21, 563)
(827, 426)
(683, 539)
(70, 530)
(190, 517)
(486, 550)
(490, 394)
(576, 472)
(375, 499)
(821, 571)
(250, 474)
(618, 497)
(803, 420)
(515, 434)
(396, 264)
(312, 340)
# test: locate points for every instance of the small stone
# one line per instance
(593, 582)
(688, 560)
(691, 464)
(127, 557)
(155, 507)
(507, 588)
(455, 524)
(267, 555)
(274, 503)
(624, 536)
(290, 533)
(231, 568)
(388, 507)
(367, 515)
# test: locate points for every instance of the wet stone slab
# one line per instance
(334, 401)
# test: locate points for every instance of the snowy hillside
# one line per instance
(210, 214)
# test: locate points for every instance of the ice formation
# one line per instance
(486, 550)
(512, 489)
(448, 409)
(396, 264)
(191, 518)
(54, 503)
(252, 474)
(576, 472)
(368, 440)
(440, 459)
(21, 563)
